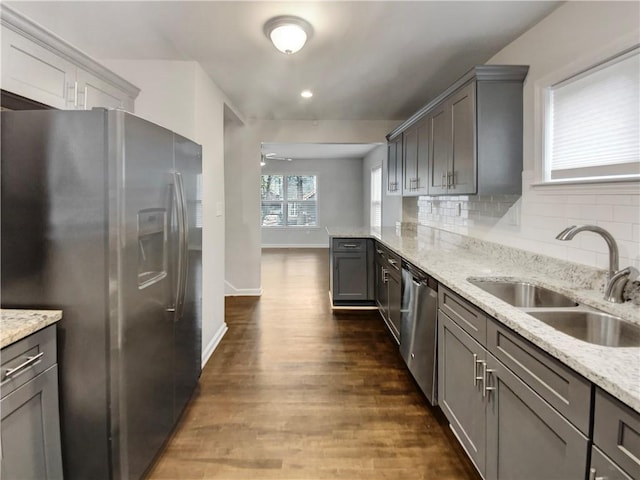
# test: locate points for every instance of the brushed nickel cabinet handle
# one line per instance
(29, 362)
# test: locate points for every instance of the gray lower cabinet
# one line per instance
(526, 437)
(352, 280)
(388, 288)
(460, 393)
(616, 439)
(30, 427)
(508, 429)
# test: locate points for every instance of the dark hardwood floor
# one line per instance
(295, 391)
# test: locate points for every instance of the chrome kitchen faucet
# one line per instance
(616, 279)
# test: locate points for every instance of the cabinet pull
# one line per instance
(379, 251)
(385, 275)
(350, 245)
(475, 370)
(445, 179)
(393, 263)
(86, 100)
(30, 361)
(592, 475)
(486, 372)
(73, 89)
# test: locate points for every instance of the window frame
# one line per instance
(577, 186)
(373, 202)
(285, 201)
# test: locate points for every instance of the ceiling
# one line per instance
(365, 61)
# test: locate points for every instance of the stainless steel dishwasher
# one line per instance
(419, 327)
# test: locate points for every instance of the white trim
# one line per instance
(302, 245)
(37, 33)
(213, 344)
(593, 57)
(232, 291)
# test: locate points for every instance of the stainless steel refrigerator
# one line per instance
(100, 218)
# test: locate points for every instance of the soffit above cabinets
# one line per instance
(365, 61)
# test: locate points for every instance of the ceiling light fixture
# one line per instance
(288, 34)
(306, 94)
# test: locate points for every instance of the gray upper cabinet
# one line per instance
(394, 166)
(474, 131)
(415, 171)
(42, 67)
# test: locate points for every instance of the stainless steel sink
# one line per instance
(523, 294)
(592, 327)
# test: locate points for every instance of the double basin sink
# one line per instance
(563, 313)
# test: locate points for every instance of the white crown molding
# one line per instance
(46, 39)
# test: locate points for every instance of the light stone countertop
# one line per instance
(17, 324)
(452, 258)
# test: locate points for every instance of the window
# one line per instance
(592, 123)
(376, 197)
(289, 201)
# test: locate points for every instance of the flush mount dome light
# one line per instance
(288, 34)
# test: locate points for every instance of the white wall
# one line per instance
(339, 200)
(242, 174)
(375, 158)
(577, 33)
(181, 97)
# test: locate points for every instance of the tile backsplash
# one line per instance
(532, 221)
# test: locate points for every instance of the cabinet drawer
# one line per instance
(349, 244)
(568, 392)
(616, 431)
(603, 467)
(27, 358)
(469, 317)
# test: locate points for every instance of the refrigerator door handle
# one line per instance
(183, 236)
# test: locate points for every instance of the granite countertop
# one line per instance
(18, 324)
(451, 259)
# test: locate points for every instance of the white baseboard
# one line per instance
(231, 291)
(213, 344)
(305, 245)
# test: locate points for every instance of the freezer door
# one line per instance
(142, 334)
(188, 319)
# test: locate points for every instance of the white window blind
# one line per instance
(376, 197)
(593, 122)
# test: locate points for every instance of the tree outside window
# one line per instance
(289, 201)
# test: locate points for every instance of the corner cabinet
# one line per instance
(468, 140)
(352, 277)
(42, 67)
(30, 428)
(500, 395)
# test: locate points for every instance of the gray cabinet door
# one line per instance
(439, 130)
(422, 177)
(394, 166)
(526, 437)
(410, 162)
(382, 293)
(462, 162)
(31, 430)
(602, 467)
(350, 281)
(416, 160)
(460, 396)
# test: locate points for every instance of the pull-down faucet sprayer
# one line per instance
(616, 279)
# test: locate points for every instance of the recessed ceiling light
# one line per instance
(288, 34)
(306, 94)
